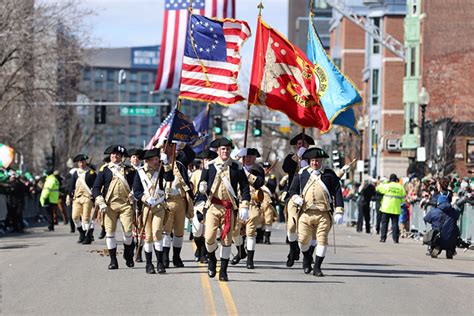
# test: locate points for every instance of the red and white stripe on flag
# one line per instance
(174, 35)
(218, 84)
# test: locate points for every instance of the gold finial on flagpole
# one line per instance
(190, 7)
(260, 7)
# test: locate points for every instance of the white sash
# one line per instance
(148, 184)
(81, 178)
(120, 177)
(226, 182)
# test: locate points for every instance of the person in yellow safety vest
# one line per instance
(50, 196)
(393, 196)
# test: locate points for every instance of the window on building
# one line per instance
(133, 76)
(109, 85)
(132, 97)
(412, 61)
(144, 88)
(144, 76)
(156, 98)
(99, 75)
(132, 87)
(414, 7)
(132, 120)
(86, 74)
(122, 87)
(132, 140)
(110, 75)
(144, 98)
(375, 86)
(376, 46)
(98, 85)
(470, 152)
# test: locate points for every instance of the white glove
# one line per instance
(298, 201)
(301, 152)
(244, 214)
(338, 218)
(151, 201)
(164, 158)
(203, 187)
(242, 152)
(103, 208)
(68, 201)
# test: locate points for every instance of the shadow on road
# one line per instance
(391, 273)
(289, 281)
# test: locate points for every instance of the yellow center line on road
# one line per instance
(206, 288)
(228, 299)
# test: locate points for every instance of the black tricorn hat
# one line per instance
(119, 149)
(253, 152)
(155, 152)
(314, 152)
(307, 138)
(80, 157)
(223, 141)
(135, 151)
(206, 154)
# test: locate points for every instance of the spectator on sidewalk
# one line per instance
(49, 197)
(393, 196)
(367, 192)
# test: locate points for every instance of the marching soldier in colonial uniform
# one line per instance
(268, 204)
(136, 155)
(256, 179)
(291, 165)
(198, 220)
(221, 180)
(101, 216)
(180, 203)
(111, 192)
(80, 197)
(314, 192)
(148, 188)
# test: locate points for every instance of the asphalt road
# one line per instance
(50, 274)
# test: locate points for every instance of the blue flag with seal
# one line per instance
(182, 130)
(336, 92)
(201, 124)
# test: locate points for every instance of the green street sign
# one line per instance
(137, 111)
(238, 126)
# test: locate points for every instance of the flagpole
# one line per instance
(247, 125)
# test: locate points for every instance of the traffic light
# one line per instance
(100, 111)
(257, 127)
(366, 166)
(217, 125)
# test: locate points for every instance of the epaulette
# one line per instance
(91, 171)
(303, 169)
(102, 167)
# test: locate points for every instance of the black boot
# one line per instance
(160, 265)
(197, 252)
(317, 267)
(150, 269)
(177, 262)
(82, 235)
(72, 225)
(113, 259)
(267, 238)
(166, 256)
(292, 254)
(297, 251)
(241, 254)
(211, 266)
(250, 264)
(203, 258)
(259, 237)
(223, 271)
(89, 237)
(102, 233)
(139, 254)
(307, 262)
(128, 255)
(311, 253)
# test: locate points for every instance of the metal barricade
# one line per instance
(417, 224)
(467, 222)
(350, 212)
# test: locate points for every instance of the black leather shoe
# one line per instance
(113, 259)
(250, 255)
(177, 262)
(82, 235)
(223, 271)
(317, 267)
(128, 255)
(160, 266)
(307, 262)
(149, 268)
(241, 254)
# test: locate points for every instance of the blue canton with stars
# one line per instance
(209, 40)
(184, 4)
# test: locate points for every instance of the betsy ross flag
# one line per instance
(175, 24)
(284, 79)
(162, 131)
(211, 60)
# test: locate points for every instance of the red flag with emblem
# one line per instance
(284, 79)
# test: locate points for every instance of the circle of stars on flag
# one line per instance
(214, 42)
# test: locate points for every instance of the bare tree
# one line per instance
(40, 53)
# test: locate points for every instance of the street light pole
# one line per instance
(423, 122)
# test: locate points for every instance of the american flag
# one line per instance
(212, 60)
(162, 131)
(175, 24)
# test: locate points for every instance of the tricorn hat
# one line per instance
(119, 149)
(135, 151)
(306, 137)
(80, 157)
(223, 141)
(253, 152)
(155, 152)
(314, 152)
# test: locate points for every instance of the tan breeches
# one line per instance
(175, 218)
(292, 217)
(250, 223)
(314, 222)
(214, 221)
(119, 210)
(154, 224)
(82, 209)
